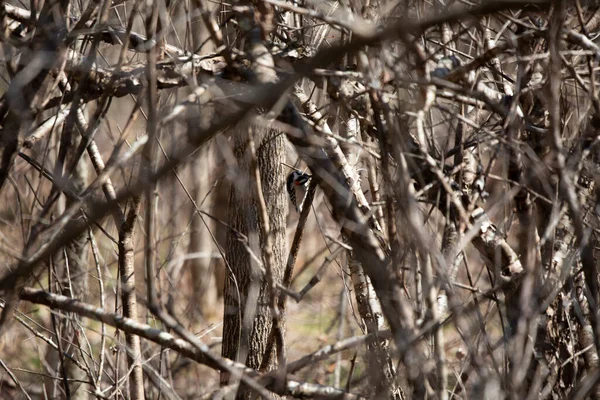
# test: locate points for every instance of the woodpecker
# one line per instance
(297, 184)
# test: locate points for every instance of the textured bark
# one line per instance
(77, 256)
(248, 320)
(381, 368)
(346, 157)
(128, 297)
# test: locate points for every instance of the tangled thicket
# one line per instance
(449, 228)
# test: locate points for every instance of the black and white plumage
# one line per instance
(297, 184)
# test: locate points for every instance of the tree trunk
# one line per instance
(201, 242)
(128, 298)
(205, 283)
(247, 315)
